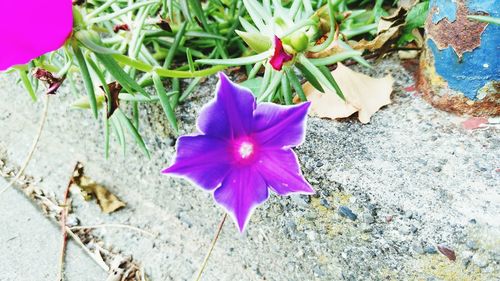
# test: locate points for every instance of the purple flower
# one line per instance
(280, 56)
(243, 150)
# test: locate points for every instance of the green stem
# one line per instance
(122, 11)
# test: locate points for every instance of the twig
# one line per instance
(33, 146)
(207, 257)
(85, 249)
(64, 215)
(114, 225)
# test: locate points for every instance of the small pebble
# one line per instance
(299, 200)
(409, 215)
(368, 218)
(405, 230)
(318, 271)
(471, 244)
(324, 203)
(373, 209)
(311, 216)
(347, 213)
(466, 261)
(311, 235)
(480, 260)
(366, 228)
(437, 169)
(413, 229)
(429, 249)
(417, 248)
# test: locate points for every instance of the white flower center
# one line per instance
(245, 150)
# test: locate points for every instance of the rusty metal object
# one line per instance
(463, 35)
(435, 91)
(459, 64)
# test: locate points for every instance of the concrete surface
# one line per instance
(413, 177)
(30, 245)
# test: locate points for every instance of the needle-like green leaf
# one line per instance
(165, 101)
(133, 130)
(87, 80)
(310, 77)
(294, 81)
(129, 84)
(27, 84)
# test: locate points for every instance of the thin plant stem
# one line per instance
(33, 146)
(114, 225)
(212, 245)
(64, 215)
(79, 242)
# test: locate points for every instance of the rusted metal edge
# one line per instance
(435, 91)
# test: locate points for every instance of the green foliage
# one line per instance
(414, 19)
(160, 42)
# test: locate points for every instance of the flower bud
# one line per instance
(299, 41)
(255, 41)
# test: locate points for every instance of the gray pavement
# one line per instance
(414, 178)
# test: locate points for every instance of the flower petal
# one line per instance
(280, 56)
(31, 28)
(240, 193)
(230, 114)
(281, 171)
(280, 126)
(202, 159)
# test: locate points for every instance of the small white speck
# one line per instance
(486, 65)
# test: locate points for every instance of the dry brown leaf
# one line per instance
(396, 18)
(407, 4)
(382, 41)
(89, 188)
(364, 94)
(388, 31)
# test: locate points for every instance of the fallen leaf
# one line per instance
(382, 42)
(407, 4)
(364, 94)
(388, 31)
(474, 123)
(449, 253)
(394, 19)
(88, 188)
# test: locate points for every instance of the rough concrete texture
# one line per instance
(388, 193)
(31, 245)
